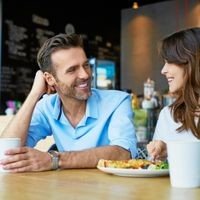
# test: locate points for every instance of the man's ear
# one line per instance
(49, 79)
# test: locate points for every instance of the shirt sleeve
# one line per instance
(39, 128)
(121, 130)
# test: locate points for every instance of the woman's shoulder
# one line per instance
(165, 110)
(165, 114)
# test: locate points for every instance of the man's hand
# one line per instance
(24, 159)
(157, 150)
(40, 85)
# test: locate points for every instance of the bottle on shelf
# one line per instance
(149, 86)
(149, 104)
(135, 101)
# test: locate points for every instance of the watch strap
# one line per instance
(54, 159)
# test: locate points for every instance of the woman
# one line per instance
(180, 120)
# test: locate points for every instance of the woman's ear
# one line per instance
(49, 79)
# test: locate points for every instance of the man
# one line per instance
(87, 124)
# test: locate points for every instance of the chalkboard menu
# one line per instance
(21, 41)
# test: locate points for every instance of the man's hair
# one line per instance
(183, 48)
(60, 41)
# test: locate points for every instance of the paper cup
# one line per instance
(5, 144)
(184, 163)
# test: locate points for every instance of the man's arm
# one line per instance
(26, 159)
(18, 127)
(90, 157)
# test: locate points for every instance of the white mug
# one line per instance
(5, 144)
(184, 163)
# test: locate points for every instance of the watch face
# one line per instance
(54, 153)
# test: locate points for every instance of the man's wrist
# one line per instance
(54, 159)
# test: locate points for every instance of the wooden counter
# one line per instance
(88, 184)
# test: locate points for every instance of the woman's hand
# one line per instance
(157, 150)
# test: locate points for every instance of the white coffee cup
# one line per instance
(5, 144)
(184, 163)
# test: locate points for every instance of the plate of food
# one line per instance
(134, 167)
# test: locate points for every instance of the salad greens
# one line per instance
(162, 165)
(159, 165)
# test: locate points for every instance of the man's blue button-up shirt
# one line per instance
(108, 121)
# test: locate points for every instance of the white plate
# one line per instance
(135, 172)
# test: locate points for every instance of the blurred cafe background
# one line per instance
(121, 39)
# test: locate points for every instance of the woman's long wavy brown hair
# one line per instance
(183, 48)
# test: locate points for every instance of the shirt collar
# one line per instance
(91, 108)
(57, 110)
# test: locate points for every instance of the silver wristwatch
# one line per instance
(54, 159)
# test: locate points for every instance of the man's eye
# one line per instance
(71, 69)
(87, 65)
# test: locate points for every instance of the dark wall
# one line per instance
(27, 24)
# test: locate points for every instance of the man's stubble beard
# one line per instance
(83, 97)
